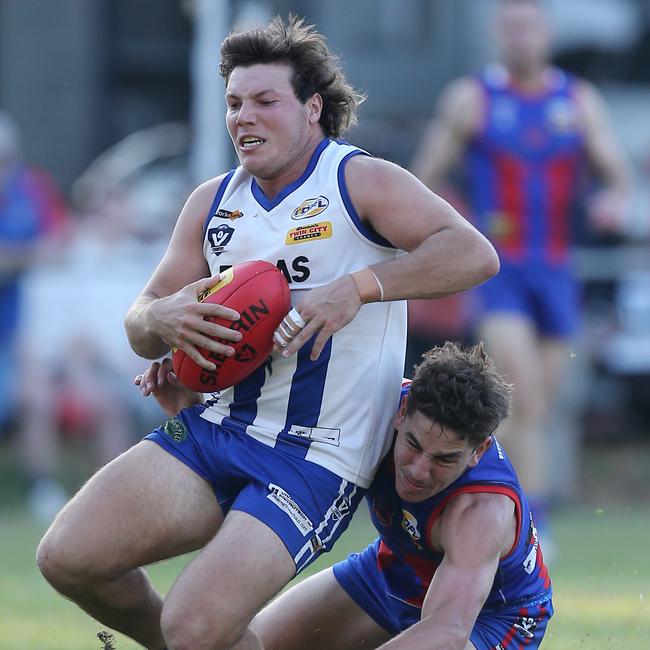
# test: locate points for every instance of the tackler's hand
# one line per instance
(160, 381)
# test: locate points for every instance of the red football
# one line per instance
(260, 293)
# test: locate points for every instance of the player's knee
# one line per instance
(193, 630)
(63, 565)
(55, 563)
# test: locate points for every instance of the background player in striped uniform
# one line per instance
(526, 132)
(235, 476)
(457, 564)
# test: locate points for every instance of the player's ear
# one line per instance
(315, 106)
(401, 412)
(479, 450)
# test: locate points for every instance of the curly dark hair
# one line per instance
(460, 389)
(315, 68)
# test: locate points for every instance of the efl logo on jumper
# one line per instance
(310, 208)
(219, 238)
(284, 501)
(320, 230)
(410, 525)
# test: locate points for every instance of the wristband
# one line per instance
(368, 286)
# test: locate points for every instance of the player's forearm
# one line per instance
(430, 634)
(449, 261)
(139, 329)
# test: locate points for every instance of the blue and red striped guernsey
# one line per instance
(407, 559)
(523, 169)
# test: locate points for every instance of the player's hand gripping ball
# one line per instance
(260, 294)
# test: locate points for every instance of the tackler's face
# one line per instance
(270, 128)
(428, 457)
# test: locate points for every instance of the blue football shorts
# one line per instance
(548, 295)
(514, 628)
(306, 505)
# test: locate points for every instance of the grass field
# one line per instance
(601, 578)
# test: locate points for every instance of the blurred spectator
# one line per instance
(32, 216)
(33, 222)
(78, 367)
(523, 130)
(65, 366)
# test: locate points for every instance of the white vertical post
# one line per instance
(211, 152)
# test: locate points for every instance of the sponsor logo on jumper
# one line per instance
(310, 208)
(561, 115)
(295, 270)
(319, 230)
(284, 501)
(317, 434)
(531, 559)
(219, 238)
(228, 214)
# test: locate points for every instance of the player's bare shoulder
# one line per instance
(478, 516)
(201, 198)
(591, 105)
(461, 106)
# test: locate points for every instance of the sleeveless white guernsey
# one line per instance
(337, 411)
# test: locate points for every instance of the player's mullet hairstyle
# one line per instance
(460, 389)
(315, 68)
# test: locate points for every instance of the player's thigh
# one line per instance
(317, 614)
(143, 506)
(230, 580)
(511, 340)
(555, 355)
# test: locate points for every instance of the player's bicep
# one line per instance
(183, 261)
(396, 204)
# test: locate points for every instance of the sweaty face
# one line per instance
(525, 36)
(273, 133)
(428, 458)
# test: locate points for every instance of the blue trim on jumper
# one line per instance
(305, 398)
(269, 204)
(217, 199)
(243, 410)
(367, 231)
